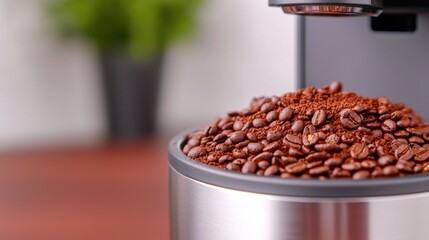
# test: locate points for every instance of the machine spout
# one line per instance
(330, 7)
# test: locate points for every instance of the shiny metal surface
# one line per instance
(330, 7)
(201, 211)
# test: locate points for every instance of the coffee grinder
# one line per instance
(384, 52)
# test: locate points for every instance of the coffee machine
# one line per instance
(383, 52)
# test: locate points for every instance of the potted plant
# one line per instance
(131, 37)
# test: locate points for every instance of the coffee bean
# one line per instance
(360, 175)
(373, 125)
(348, 138)
(384, 117)
(239, 161)
(265, 156)
(319, 118)
(415, 139)
(263, 164)
(319, 170)
(259, 123)
(309, 129)
(292, 141)
(233, 167)
(296, 168)
(249, 167)
(368, 164)
(364, 129)
(359, 151)
(401, 134)
(404, 166)
(255, 148)
(220, 138)
(271, 170)
(225, 158)
(359, 109)
(297, 126)
(388, 137)
(228, 125)
(352, 166)
(318, 156)
(386, 160)
(327, 147)
(197, 152)
(242, 144)
(271, 147)
(350, 119)
(333, 162)
(335, 87)
(421, 155)
(295, 153)
(342, 174)
(314, 164)
(212, 158)
(418, 168)
(287, 175)
(238, 125)
(404, 153)
(333, 138)
(403, 123)
(272, 116)
(390, 171)
(377, 133)
(260, 172)
(286, 114)
(267, 107)
(388, 126)
(279, 153)
(236, 153)
(274, 136)
(252, 137)
(310, 139)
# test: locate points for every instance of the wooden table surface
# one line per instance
(116, 191)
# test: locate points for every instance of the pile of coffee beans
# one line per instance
(316, 133)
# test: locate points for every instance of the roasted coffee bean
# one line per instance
(286, 160)
(352, 166)
(287, 175)
(255, 148)
(265, 156)
(309, 129)
(350, 119)
(220, 138)
(343, 146)
(233, 167)
(227, 126)
(425, 168)
(326, 128)
(309, 112)
(335, 87)
(259, 123)
(306, 150)
(333, 138)
(297, 126)
(388, 137)
(272, 147)
(314, 164)
(421, 155)
(418, 168)
(318, 156)
(359, 109)
(249, 167)
(319, 170)
(274, 136)
(252, 137)
(359, 151)
(402, 134)
(305, 176)
(263, 164)
(364, 129)
(384, 117)
(225, 158)
(396, 115)
(388, 126)
(377, 172)
(373, 125)
(212, 158)
(404, 153)
(286, 114)
(310, 139)
(260, 172)
(247, 126)
(197, 152)
(319, 118)
(342, 174)
(347, 138)
(267, 107)
(271, 170)
(404, 123)
(272, 116)
(186, 149)
(242, 144)
(426, 137)
(193, 142)
(415, 139)
(369, 119)
(327, 147)
(279, 153)
(363, 174)
(404, 166)
(367, 139)
(236, 153)
(296, 168)
(333, 162)
(295, 153)
(386, 160)
(390, 171)
(377, 133)
(292, 141)
(239, 161)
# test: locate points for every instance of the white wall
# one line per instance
(242, 49)
(49, 91)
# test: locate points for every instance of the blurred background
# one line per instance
(92, 90)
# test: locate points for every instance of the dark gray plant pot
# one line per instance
(131, 92)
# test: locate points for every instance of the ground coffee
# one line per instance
(316, 133)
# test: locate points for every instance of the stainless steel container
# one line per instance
(212, 204)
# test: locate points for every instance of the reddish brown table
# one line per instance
(116, 191)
